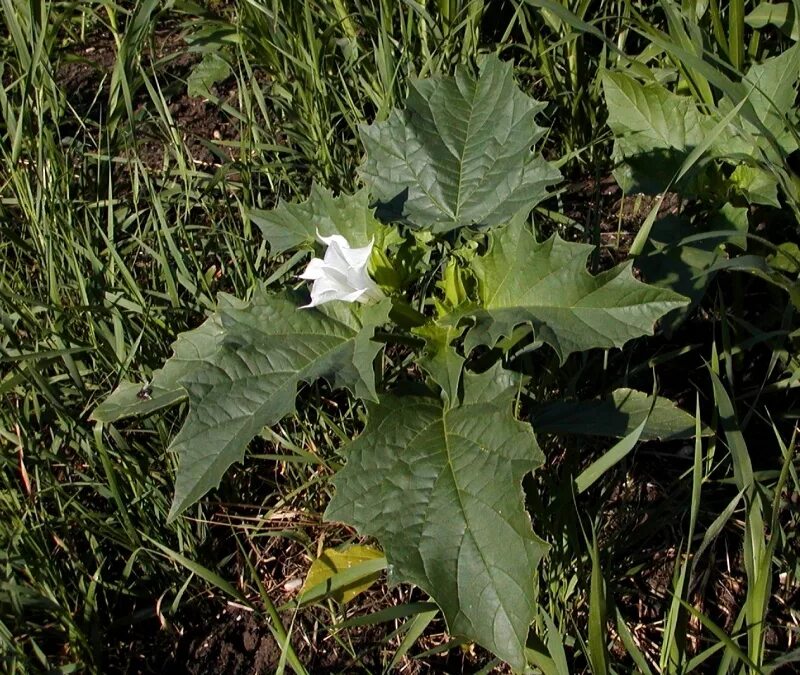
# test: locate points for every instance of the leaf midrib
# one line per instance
(222, 453)
(468, 528)
(467, 136)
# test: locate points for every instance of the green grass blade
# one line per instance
(617, 453)
(720, 634)
(638, 658)
(415, 628)
(203, 572)
(598, 651)
(389, 614)
(736, 33)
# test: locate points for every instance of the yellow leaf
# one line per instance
(333, 561)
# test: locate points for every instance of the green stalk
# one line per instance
(345, 19)
(736, 33)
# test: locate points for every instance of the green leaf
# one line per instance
(547, 285)
(267, 349)
(786, 258)
(654, 129)
(136, 399)
(779, 14)
(440, 359)
(616, 416)
(292, 226)
(756, 185)
(460, 153)
(328, 569)
(190, 351)
(773, 97)
(441, 491)
(733, 219)
(211, 70)
(670, 263)
(649, 116)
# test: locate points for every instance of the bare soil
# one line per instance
(85, 78)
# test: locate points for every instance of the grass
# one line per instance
(123, 216)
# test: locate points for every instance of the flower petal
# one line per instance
(340, 248)
(314, 270)
(333, 239)
(341, 274)
(358, 257)
(330, 284)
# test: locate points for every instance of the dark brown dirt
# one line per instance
(84, 73)
(609, 218)
(235, 644)
(211, 636)
(85, 77)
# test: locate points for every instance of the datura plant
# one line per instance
(436, 254)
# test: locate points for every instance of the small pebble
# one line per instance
(292, 585)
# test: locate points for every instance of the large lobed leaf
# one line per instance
(440, 488)
(779, 14)
(268, 349)
(616, 415)
(654, 131)
(439, 359)
(461, 152)
(774, 84)
(547, 285)
(240, 372)
(189, 352)
(291, 225)
(650, 116)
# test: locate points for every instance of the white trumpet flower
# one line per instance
(341, 274)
